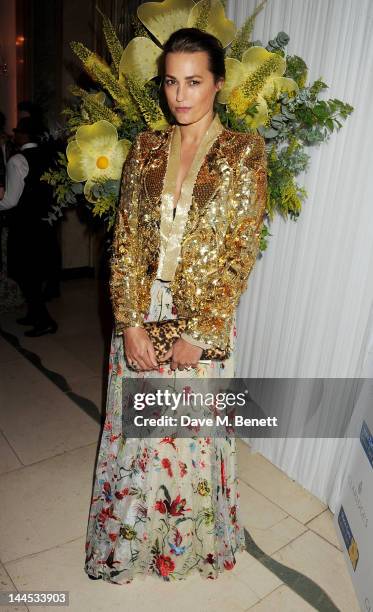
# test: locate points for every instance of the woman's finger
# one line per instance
(166, 356)
(130, 359)
(152, 356)
(141, 362)
(174, 365)
(147, 360)
(146, 357)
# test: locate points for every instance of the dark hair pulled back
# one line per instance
(192, 40)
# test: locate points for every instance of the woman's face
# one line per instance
(189, 86)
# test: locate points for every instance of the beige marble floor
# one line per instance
(47, 452)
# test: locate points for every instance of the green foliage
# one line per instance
(296, 123)
(106, 193)
(316, 119)
(296, 69)
(284, 195)
(278, 44)
(265, 233)
(64, 190)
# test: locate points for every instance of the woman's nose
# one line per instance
(179, 94)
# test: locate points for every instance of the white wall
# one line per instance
(307, 311)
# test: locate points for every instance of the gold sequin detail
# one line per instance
(220, 238)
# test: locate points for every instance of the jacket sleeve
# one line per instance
(222, 288)
(123, 268)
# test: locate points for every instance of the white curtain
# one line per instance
(308, 310)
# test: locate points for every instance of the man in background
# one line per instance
(6, 149)
(30, 239)
(51, 146)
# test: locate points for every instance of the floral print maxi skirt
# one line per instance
(162, 506)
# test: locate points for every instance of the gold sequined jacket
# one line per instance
(208, 250)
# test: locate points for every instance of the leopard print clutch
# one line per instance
(163, 334)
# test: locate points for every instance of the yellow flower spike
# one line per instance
(256, 56)
(234, 75)
(163, 18)
(96, 152)
(216, 22)
(257, 79)
(139, 59)
(97, 97)
(238, 102)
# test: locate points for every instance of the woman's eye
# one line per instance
(171, 82)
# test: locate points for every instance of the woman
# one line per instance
(187, 235)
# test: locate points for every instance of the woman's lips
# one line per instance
(182, 109)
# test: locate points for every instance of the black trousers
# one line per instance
(32, 290)
(31, 260)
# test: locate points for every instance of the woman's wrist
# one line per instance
(192, 340)
(131, 328)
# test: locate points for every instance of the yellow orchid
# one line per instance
(253, 80)
(140, 56)
(96, 153)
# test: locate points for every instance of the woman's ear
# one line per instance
(219, 84)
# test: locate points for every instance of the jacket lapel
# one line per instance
(203, 177)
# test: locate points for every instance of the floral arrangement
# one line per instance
(265, 90)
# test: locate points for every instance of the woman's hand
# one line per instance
(139, 349)
(183, 355)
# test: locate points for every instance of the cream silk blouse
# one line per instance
(172, 225)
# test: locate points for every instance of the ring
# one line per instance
(188, 367)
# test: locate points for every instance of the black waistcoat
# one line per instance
(29, 236)
(35, 199)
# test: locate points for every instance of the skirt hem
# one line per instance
(141, 576)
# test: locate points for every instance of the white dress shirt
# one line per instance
(17, 169)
